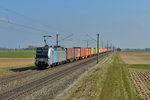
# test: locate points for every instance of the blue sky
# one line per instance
(124, 23)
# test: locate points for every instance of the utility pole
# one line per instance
(111, 47)
(107, 48)
(97, 47)
(56, 39)
(19, 47)
(102, 43)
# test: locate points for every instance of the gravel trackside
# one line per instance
(55, 87)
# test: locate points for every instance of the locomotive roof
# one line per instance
(46, 47)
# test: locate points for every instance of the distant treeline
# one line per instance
(30, 47)
(128, 49)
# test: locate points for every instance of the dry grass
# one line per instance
(55, 87)
(15, 62)
(117, 85)
(40, 73)
(136, 57)
(88, 88)
(7, 64)
(108, 81)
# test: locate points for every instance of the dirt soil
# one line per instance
(136, 57)
(141, 80)
(15, 62)
(140, 77)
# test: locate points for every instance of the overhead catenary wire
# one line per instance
(93, 41)
(25, 26)
(66, 37)
(91, 37)
(12, 29)
(21, 25)
(57, 41)
(25, 16)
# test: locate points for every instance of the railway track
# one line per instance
(7, 79)
(14, 92)
(21, 75)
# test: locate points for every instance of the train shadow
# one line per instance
(24, 69)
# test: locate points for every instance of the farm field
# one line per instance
(122, 76)
(17, 54)
(15, 62)
(10, 60)
(139, 71)
(126, 76)
(136, 57)
(141, 81)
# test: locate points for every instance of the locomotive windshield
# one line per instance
(42, 53)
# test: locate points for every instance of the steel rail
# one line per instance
(14, 92)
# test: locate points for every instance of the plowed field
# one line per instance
(141, 80)
(15, 62)
(139, 71)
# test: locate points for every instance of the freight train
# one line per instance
(49, 56)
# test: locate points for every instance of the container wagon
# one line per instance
(89, 52)
(83, 53)
(77, 52)
(92, 51)
(70, 54)
(96, 50)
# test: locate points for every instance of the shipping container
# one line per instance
(89, 51)
(103, 49)
(83, 52)
(95, 50)
(109, 49)
(70, 53)
(86, 52)
(77, 52)
(100, 51)
(106, 50)
(92, 49)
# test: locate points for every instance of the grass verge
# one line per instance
(117, 84)
(108, 81)
(91, 85)
(135, 51)
(140, 66)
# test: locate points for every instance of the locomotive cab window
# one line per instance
(42, 53)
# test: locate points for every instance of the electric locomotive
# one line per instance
(49, 56)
